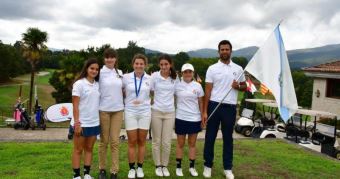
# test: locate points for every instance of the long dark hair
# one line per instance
(166, 57)
(88, 63)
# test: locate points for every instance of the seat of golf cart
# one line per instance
(269, 116)
(248, 113)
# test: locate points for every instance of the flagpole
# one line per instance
(219, 104)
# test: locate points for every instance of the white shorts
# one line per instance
(137, 121)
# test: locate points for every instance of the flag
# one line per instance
(270, 66)
(263, 89)
(250, 86)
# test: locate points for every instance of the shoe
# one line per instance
(77, 177)
(193, 172)
(114, 176)
(132, 173)
(159, 171)
(102, 174)
(166, 172)
(207, 172)
(228, 174)
(179, 172)
(87, 176)
(140, 173)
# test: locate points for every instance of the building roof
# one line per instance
(331, 67)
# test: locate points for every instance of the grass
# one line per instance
(252, 159)
(9, 93)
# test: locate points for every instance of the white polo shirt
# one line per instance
(222, 76)
(144, 105)
(88, 103)
(110, 88)
(164, 91)
(187, 95)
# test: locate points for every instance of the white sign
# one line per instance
(59, 112)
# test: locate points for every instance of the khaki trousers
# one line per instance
(162, 124)
(110, 124)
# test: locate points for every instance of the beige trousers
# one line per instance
(110, 124)
(162, 124)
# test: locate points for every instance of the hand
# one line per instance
(235, 85)
(204, 120)
(77, 128)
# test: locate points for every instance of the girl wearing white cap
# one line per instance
(163, 114)
(189, 97)
(137, 113)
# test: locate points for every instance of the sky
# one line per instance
(172, 26)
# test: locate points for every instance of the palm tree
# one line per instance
(33, 48)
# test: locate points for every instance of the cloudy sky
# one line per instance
(172, 25)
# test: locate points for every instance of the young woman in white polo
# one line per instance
(163, 113)
(111, 112)
(189, 102)
(137, 113)
(85, 99)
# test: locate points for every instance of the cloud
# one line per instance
(172, 25)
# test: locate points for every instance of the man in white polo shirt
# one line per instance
(220, 77)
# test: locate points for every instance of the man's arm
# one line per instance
(208, 88)
(241, 86)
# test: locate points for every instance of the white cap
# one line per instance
(187, 66)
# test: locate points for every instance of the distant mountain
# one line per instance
(203, 53)
(149, 51)
(297, 58)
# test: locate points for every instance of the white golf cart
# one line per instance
(246, 123)
(324, 138)
(278, 130)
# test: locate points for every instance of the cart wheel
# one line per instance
(70, 136)
(337, 155)
(246, 131)
(270, 136)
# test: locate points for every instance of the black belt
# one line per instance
(223, 104)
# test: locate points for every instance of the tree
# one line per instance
(180, 59)
(242, 61)
(33, 47)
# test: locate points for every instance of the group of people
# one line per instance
(163, 101)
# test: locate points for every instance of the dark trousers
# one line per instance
(224, 115)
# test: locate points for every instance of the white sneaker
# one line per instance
(132, 173)
(159, 171)
(87, 176)
(77, 177)
(193, 172)
(179, 172)
(166, 172)
(229, 174)
(140, 173)
(207, 172)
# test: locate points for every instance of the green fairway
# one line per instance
(252, 159)
(9, 92)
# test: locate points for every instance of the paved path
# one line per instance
(59, 134)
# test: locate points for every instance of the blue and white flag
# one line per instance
(270, 66)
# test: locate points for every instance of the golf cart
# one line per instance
(246, 123)
(270, 125)
(324, 138)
